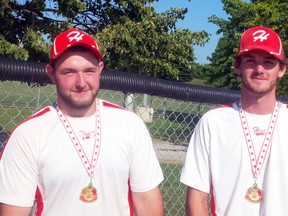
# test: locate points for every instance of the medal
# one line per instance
(88, 194)
(254, 194)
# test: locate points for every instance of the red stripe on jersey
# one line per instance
(212, 203)
(130, 199)
(42, 112)
(223, 106)
(111, 105)
(39, 202)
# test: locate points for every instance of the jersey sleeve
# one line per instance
(145, 170)
(196, 169)
(18, 170)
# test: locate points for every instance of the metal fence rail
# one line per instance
(170, 122)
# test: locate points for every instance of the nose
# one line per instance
(259, 68)
(80, 80)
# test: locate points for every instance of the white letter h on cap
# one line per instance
(261, 35)
(75, 36)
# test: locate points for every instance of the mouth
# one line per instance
(80, 92)
(260, 78)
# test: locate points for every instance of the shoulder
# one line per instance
(114, 109)
(222, 110)
(36, 120)
(108, 105)
(221, 114)
(223, 107)
(283, 106)
(39, 114)
(31, 128)
(111, 112)
(283, 109)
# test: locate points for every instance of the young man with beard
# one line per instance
(238, 152)
(81, 155)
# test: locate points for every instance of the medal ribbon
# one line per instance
(89, 165)
(257, 164)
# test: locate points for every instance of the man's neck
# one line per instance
(260, 106)
(77, 112)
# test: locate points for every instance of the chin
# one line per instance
(79, 103)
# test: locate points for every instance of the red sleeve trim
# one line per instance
(223, 106)
(111, 105)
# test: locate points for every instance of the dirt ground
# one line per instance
(168, 152)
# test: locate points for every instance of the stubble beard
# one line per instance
(77, 104)
(259, 90)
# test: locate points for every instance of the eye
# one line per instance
(269, 62)
(67, 72)
(90, 70)
(249, 61)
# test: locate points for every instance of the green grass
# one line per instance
(18, 101)
(174, 192)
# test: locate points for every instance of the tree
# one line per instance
(242, 15)
(131, 35)
(21, 30)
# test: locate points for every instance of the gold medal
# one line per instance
(88, 194)
(254, 194)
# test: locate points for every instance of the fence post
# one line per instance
(129, 101)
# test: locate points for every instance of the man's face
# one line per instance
(259, 72)
(77, 77)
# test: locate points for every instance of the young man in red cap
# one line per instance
(82, 155)
(238, 152)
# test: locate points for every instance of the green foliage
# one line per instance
(139, 47)
(22, 27)
(9, 50)
(132, 36)
(242, 15)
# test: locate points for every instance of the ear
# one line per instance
(101, 66)
(50, 72)
(282, 71)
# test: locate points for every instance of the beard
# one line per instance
(259, 89)
(77, 102)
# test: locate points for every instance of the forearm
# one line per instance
(9, 210)
(148, 203)
(196, 203)
(196, 210)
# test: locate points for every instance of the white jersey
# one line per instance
(41, 168)
(218, 162)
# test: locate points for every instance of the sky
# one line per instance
(196, 19)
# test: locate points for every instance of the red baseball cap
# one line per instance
(261, 38)
(70, 38)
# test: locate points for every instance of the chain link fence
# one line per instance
(170, 122)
